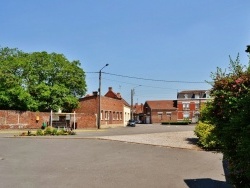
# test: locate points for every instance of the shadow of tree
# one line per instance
(192, 141)
(206, 183)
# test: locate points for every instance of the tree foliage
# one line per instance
(229, 112)
(39, 81)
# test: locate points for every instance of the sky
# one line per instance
(154, 47)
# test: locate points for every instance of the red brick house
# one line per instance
(160, 111)
(138, 112)
(112, 108)
(189, 104)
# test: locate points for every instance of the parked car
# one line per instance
(131, 123)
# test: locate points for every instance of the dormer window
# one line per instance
(185, 96)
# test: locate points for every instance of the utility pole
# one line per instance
(132, 108)
(99, 109)
(132, 101)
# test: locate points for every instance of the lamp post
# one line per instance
(132, 98)
(99, 109)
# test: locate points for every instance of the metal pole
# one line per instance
(132, 101)
(99, 109)
(51, 118)
(74, 120)
(131, 107)
(99, 90)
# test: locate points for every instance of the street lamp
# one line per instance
(132, 98)
(99, 110)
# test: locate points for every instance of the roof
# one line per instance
(138, 108)
(161, 105)
(192, 94)
(112, 94)
(192, 91)
(125, 102)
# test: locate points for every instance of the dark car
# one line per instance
(131, 123)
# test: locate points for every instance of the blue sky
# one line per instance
(170, 40)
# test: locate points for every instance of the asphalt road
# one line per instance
(83, 162)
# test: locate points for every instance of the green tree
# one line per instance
(229, 112)
(39, 81)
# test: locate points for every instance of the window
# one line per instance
(185, 106)
(101, 114)
(197, 105)
(117, 115)
(186, 115)
(120, 115)
(106, 115)
(186, 96)
(110, 115)
(160, 115)
(113, 115)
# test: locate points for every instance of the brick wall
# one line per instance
(11, 119)
(162, 116)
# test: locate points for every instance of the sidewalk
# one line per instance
(184, 139)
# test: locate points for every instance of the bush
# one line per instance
(207, 139)
(39, 132)
(54, 132)
(48, 131)
(229, 112)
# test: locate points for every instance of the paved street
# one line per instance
(117, 157)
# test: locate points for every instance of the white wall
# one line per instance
(126, 115)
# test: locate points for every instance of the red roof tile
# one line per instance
(161, 105)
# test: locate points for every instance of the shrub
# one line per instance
(229, 112)
(48, 131)
(54, 132)
(39, 132)
(207, 139)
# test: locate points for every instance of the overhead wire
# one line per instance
(150, 79)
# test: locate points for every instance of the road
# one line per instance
(84, 161)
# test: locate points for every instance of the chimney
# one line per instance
(95, 93)
(110, 88)
(119, 95)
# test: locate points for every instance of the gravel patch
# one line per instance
(184, 139)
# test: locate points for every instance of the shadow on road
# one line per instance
(206, 183)
(192, 141)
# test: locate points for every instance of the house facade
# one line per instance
(189, 104)
(138, 112)
(113, 108)
(159, 111)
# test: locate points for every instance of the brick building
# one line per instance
(160, 111)
(189, 104)
(138, 112)
(113, 108)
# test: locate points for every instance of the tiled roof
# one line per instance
(161, 105)
(138, 108)
(125, 102)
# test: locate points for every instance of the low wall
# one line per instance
(11, 119)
